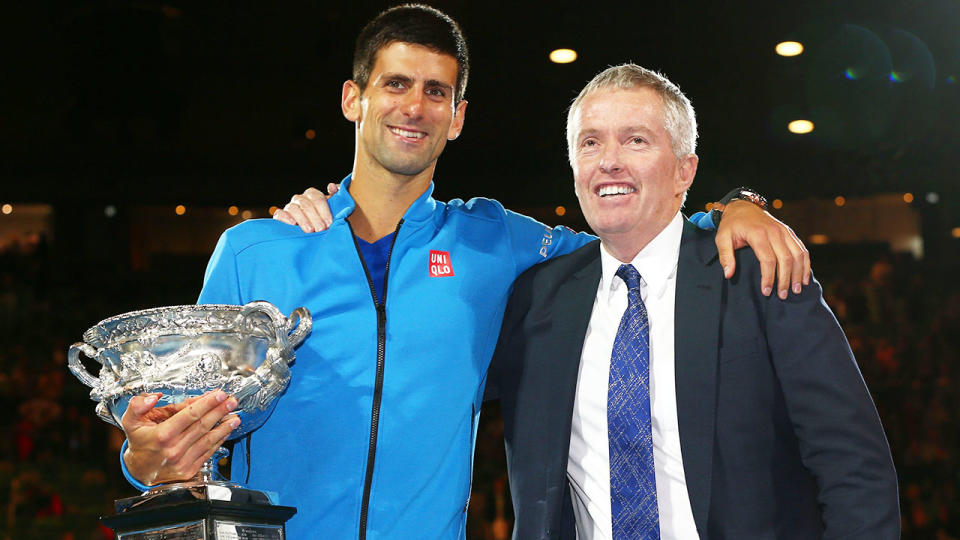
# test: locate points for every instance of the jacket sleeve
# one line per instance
(836, 423)
(533, 242)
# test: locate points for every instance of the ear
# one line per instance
(686, 172)
(459, 115)
(350, 101)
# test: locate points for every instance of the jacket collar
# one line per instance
(342, 204)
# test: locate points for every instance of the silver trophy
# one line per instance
(186, 351)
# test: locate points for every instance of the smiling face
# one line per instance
(407, 112)
(629, 181)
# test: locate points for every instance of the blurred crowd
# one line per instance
(55, 475)
(59, 464)
(903, 324)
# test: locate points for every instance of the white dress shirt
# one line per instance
(588, 469)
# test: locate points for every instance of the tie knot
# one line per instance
(630, 276)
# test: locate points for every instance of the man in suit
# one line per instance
(644, 396)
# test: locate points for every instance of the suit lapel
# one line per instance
(696, 337)
(573, 307)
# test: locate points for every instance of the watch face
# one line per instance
(753, 197)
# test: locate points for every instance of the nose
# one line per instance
(610, 159)
(413, 104)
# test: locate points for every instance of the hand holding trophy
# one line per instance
(169, 377)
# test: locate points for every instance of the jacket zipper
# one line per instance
(381, 307)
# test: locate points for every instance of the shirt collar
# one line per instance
(656, 262)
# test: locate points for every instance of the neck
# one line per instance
(382, 200)
(625, 246)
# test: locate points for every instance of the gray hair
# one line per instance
(679, 119)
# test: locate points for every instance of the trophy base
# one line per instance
(199, 512)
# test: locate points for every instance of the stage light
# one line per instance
(233, 210)
(246, 214)
(955, 232)
(310, 134)
(110, 211)
(789, 48)
(908, 198)
(7, 209)
(273, 210)
(840, 200)
(560, 210)
(180, 209)
(708, 207)
(777, 204)
(563, 56)
(800, 127)
(819, 239)
(933, 197)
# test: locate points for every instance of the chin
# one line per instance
(408, 169)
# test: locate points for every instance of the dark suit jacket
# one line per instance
(779, 435)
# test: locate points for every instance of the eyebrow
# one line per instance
(396, 77)
(623, 131)
(433, 83)
(584, 133)
(631, 129)
(408, 80)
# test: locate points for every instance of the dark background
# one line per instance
(144, 105)
(209, 103)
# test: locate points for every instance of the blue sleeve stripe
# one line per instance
(703, 220)
(123, 467)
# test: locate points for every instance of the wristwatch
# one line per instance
(737, 194)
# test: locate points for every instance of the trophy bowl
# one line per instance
(186, 351)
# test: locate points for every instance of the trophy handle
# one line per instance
(291, 331)
(77, 368)
(299, 325)
(279, 322)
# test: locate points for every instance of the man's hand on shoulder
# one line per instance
(776, 246)
(170, 443)
(309, 209)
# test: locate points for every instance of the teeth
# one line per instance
(411, 134)
(614, 190)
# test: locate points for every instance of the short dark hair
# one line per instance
(416, 24)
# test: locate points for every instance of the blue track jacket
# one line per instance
(374, 437)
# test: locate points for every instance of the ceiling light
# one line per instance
(789, 48)
(563, 56)
(800, 126)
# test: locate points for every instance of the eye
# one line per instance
(394, 83)
(437, 92)
(637, 140)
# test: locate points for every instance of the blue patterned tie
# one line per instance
(633, 484)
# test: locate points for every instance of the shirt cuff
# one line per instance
(703, 220)
(123, 467)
